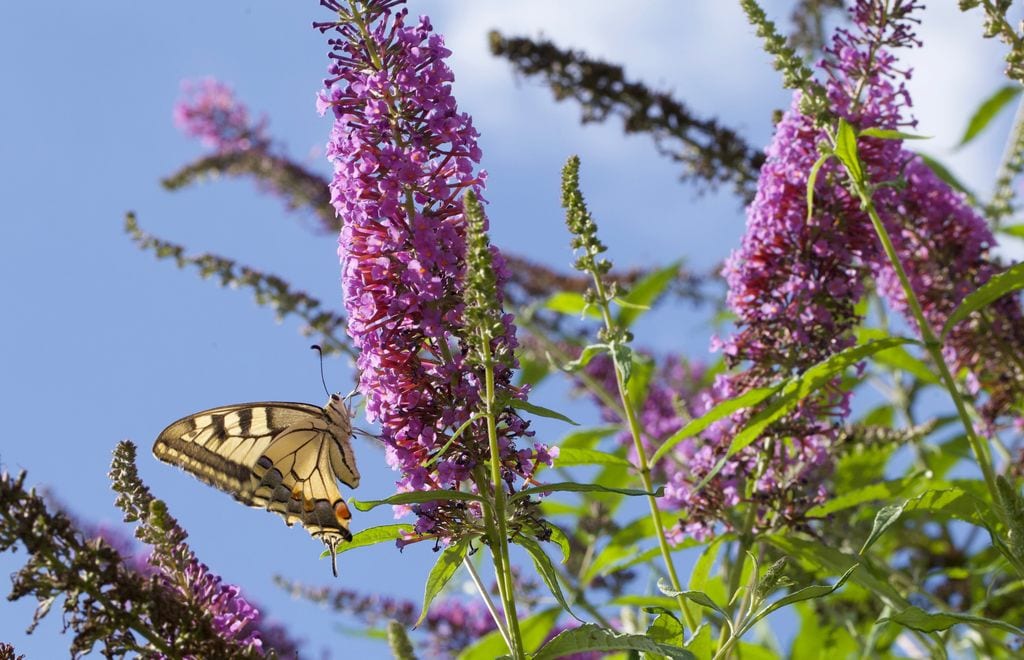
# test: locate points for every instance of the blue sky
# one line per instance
(100, 342)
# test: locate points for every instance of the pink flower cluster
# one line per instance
(209, 112)
(795, 281)
(403, 156)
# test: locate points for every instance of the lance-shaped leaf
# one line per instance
(795, 390)
(416, 497)
(589, 637)
(534, 409)
(807, 593)
(698, 597)
(546, 571)
(449, 562)
(846, 151)
(1008, 281)
(533, 629)
(371, 536)
(720, 411)
(987, 111)
(567, 456)
(572, 487)
(644, 293)
(918, 619)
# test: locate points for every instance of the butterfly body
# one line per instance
(284, 457)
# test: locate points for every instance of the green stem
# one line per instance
(644, 465)
(729, 636)
(468, 563)
(931, 342)
(501, 547)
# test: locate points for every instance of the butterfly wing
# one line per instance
(285, 457)
(220, 446)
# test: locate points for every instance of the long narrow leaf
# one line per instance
(1008, 281)
(720, 411)
(546, 570)
(416, 497)
(449, 562)
(371, 536)
(795, 390)
(572, 487)
(918, 619)
(589, 637)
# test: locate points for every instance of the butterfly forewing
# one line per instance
(285, 457)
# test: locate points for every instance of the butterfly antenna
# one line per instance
(320, 351)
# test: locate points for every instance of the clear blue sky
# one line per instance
(100, 342)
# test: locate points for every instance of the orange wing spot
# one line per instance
(297, 492)
(307, 505)
(341, 511)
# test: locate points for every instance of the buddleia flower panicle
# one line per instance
(230, 615)
(796, 279)
(209, 112)
(403, 158)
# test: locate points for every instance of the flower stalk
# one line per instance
(584, 231)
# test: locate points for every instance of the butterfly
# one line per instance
(285, 457)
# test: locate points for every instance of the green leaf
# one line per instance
(1013, 230)
(723, 409)
(702, 568)
(883, 490)
(795, 390)
(589, 637)
(569, 456)
(832, 562)
(571, 487)
(666, 629)
(807, 593)
(700, 642)
(943, 173)
(559, 538)
(698, 597)
(571, 304)
(546, 570)
(640, 379)
(371, 536)
(812, 179)
(917, 619)
(624, 557)
(539, 411)
(954, 503)
(899, 358)
(586, 438)
(889, 134)
(449, 562)
(1008, 281)
(645, 601)
(987, 111)
(586, 355)
(533, 628)
(846, 151)
(416, 497)
(884, 519)
(623, 543)
(623, 356)
(645, 292)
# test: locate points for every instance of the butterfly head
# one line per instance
(339, 413)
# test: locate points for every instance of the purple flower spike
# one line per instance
(795, 280)
(209, 112)
(403, 157)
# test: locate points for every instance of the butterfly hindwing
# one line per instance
(285, 457)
